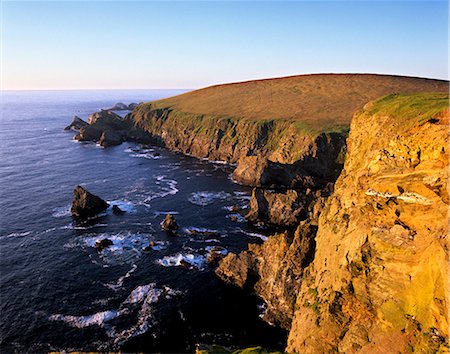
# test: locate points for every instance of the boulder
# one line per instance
(77, 124)
(275, 208)
(116, 210)
(86, 204)
(103, 243)
(169, 223)
(110, 138)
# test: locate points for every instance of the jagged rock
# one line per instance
(110, 138)
(89, 133)
(104, 127)
(276, 208)
(274, 270)
(381, 263)
(237, 269)
(106, 120)
(77, 124)
(169, 223)
(86, 204)
(103, 243)
(215, 254)
(252, 171)
(116, 210)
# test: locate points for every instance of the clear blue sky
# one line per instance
(144, 44)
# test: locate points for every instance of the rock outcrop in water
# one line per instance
(373, 276)
(169, 224)
(77, 124)
(109, 129)
(86, 204)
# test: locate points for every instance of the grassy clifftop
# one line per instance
(277, 118)
(321, 101)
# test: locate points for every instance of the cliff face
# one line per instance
(298, 124)
(373, 276)
(379, 280)
(225, 138)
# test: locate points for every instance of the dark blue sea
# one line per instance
(149, 291)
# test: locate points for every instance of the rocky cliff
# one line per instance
(373, 277)
(379, 280)
(298, 123)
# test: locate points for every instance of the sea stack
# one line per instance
(86, 204)
(169, 223)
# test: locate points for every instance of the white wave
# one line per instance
(99, 318)
(17, 234)
(158, 245)
(217, 250)
(167, 187)
(204, 198)
(61, 211)
(192, 230)
(116, 286)
(208, 240)
(124, 205)
(189, 260)
(158, 213)
(148, 292)
(254, 234)
(126, 247)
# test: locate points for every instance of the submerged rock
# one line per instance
(103, 243)
(169, 223)
(77, 124)
(116, 210)
(86, 204)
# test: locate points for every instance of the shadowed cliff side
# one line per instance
(379, 279)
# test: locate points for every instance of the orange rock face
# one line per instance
(379, 279)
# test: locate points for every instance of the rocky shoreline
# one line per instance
(329, 275)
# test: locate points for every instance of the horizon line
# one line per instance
(225, 83)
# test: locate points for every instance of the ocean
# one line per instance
(149, 291)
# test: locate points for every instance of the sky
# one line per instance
(182, 44)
